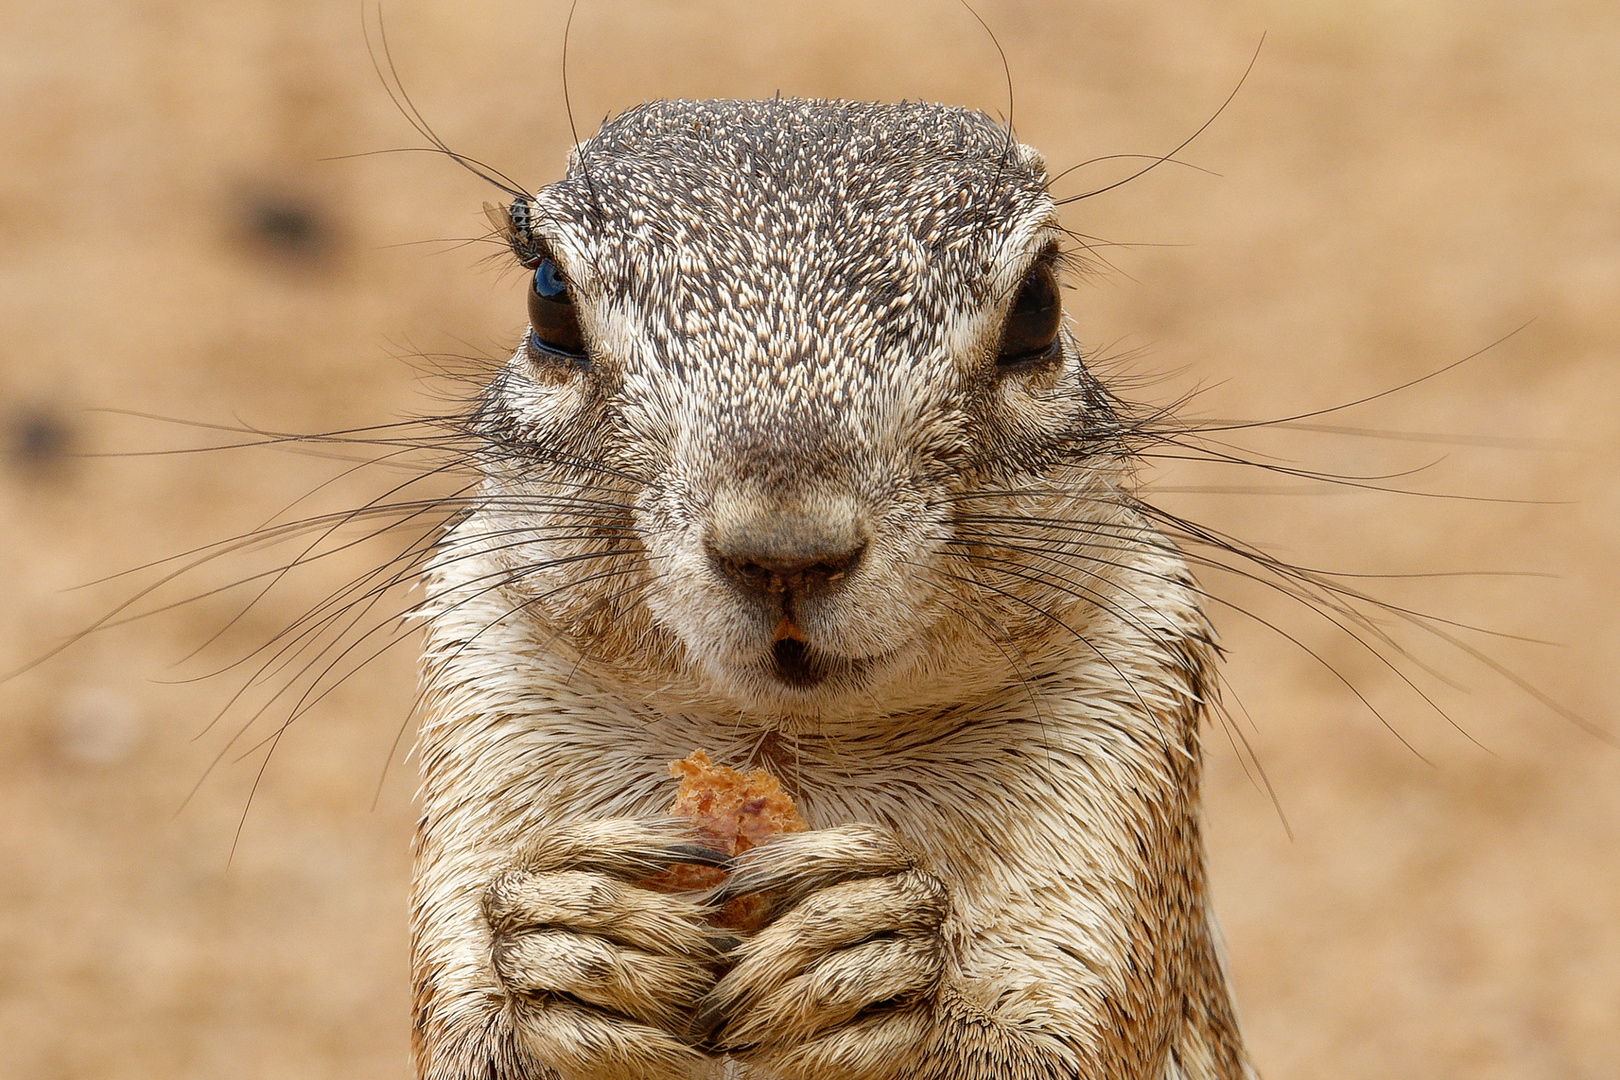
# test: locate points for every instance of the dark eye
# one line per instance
(1031, 334)
(553, 323)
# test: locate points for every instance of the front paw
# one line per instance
(842, 982)
(603, 975)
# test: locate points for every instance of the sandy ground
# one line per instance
(1397, 185)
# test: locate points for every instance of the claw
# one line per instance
(708, 1020)
(697, 854)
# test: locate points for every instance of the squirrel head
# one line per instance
(796, 408)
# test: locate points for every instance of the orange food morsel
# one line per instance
(737, 811)
(733, 812)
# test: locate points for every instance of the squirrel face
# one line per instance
(789, 362)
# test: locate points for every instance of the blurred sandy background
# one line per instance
(1401, 183)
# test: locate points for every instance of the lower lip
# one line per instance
(797, 665)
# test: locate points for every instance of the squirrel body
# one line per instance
(797, 466)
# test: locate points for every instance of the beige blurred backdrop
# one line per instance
(1398, 184)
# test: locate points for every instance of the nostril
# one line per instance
(753, 576)
(838, 567)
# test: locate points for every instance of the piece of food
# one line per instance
(732, 812)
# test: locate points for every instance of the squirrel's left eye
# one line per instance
(1030, 335)
(553, 322)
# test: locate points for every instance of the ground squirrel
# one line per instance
(798, 464)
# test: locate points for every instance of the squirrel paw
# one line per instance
(602, 974)
(841, 982)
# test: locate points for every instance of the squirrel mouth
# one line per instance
(797, 664)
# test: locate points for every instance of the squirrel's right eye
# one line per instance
(553, 323)
(1030, 337)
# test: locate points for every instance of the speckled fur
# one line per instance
(793, 310)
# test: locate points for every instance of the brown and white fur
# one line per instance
(795, 506)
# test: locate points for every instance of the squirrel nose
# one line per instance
(785, 556)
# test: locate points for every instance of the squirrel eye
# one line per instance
(1031, 333)
(553, 323)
